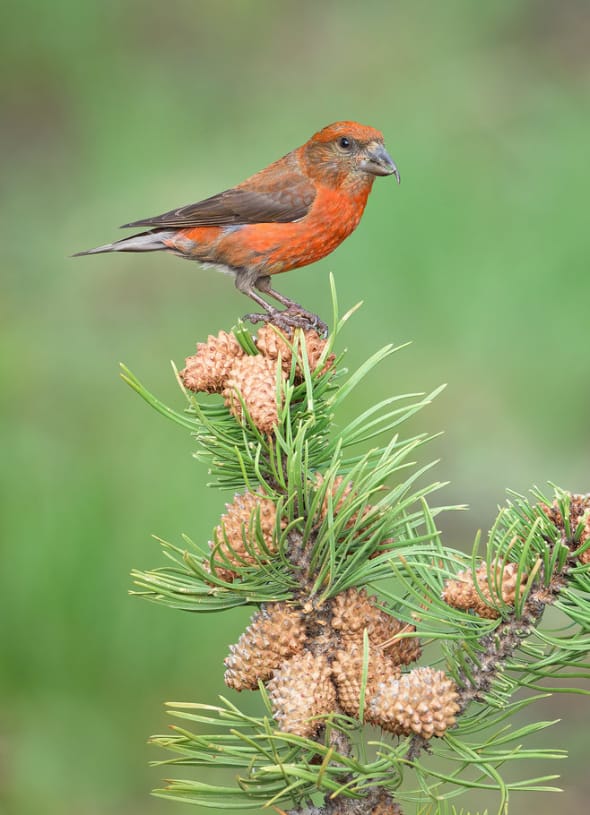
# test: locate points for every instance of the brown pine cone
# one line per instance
(339, 494)
(401, 650)
(254, 379)
(347, 668)
(423, 702)
(275, 633)
(385, 805)
(462, 593)
(579, 512)
(353, 611)
(208, 369)
(300, 690)
(272, 342)
(235, 537)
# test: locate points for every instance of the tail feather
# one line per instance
(151, 241)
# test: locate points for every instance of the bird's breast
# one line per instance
(281, 247)
(272, 248)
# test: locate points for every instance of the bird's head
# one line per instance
(350, 151)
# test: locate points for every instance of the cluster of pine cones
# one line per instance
(247, 532)
(485, 591)
(313, 660)
(222, 366)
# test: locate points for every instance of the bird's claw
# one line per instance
(291, 318)
(257, 318)
(308, 319)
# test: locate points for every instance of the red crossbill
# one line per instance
(294, 212)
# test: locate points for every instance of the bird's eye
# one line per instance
(344, 143)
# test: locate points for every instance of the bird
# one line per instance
(288, 215)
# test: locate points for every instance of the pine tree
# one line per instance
(333, 544)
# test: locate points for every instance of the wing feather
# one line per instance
(285, 198)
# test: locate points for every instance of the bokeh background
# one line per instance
(113, 111)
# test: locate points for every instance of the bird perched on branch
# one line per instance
(294, 212)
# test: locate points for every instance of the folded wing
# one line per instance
(241, 205)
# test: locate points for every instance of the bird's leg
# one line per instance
(271, 313)
(294, 314)
(244, 285)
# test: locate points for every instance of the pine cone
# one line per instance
(337, 502)
(275, 633)
(272, 342)
(347, 668)
(208, 369)
(422, 702)
(300, 690)
(235, 537)
(462, 593)
(254, 378)
(579, 514)
(340, 495)
(354, 610)
(385, 805)
(401, 650)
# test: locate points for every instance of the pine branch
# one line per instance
(321, 518)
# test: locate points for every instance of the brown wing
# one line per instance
(284, 197)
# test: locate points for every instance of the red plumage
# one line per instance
(294, 212)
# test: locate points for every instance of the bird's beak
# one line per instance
(377, 161)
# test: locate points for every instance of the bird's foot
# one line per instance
(259, 318)
(308, 319)
(289, 318)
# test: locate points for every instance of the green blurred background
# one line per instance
(116, 111)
